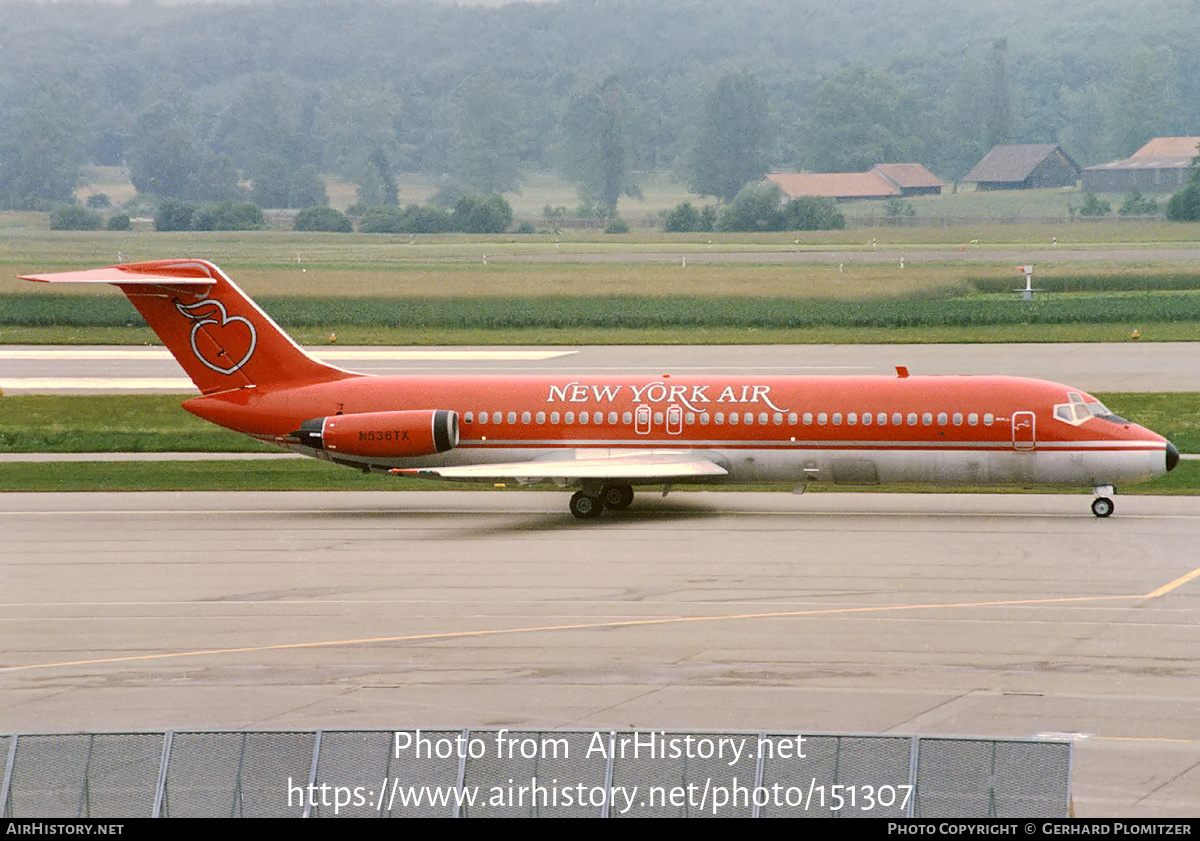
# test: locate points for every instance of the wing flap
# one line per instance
(635, 466)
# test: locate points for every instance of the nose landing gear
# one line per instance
(1102, 505)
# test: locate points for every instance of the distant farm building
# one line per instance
(1024, 167)
(882, 182)
(1161, 166)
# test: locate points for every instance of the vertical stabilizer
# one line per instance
(220, 337)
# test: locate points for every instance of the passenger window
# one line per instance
(627, 418)
(822, 418)
(927, 419)
(704, 418)
(554, 417)
(882, 418)
(720, 419)
(512, 417)
(733, 417)
(973, 419)
(942, 419)
(851, 419)
(469, 417)
(526, 417)
(808, 418)
(897, 419)
(912, 418)
(866, 418)
(497, 417)
(569, 417)
(837, 418)
(541, 418)
(958, 418)
(689, 418)
(612, 418)
(987, 419)
(792, 418)
(778, 418)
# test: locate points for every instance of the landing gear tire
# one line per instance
(1102, 506)
(586, 507)
(617, 497)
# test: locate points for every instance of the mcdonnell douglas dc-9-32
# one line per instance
(606, 435)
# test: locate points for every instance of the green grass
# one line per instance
(287, 475)
(686, 319)
(105, 423)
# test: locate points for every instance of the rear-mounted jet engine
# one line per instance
(382, 434)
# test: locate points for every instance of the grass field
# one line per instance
(590, 288)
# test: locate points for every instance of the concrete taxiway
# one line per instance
(993, 615)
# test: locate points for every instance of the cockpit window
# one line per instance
(1077, 410)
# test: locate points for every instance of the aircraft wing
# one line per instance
(632, 466)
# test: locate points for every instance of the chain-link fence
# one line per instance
(472, 773)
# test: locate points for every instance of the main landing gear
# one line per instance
(587, 504)
(1102, 506)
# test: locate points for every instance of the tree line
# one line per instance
(215, 103)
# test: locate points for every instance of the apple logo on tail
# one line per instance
(226, 333)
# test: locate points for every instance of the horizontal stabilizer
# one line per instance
(168, 273)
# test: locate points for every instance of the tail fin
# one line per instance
(220, 337)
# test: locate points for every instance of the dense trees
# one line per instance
(595, 145)
(1184, 206)
(861, 117)
(735, 140)
(204, 101)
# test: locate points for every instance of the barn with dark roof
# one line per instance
(1024, 167)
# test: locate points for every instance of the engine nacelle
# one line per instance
(383, 434)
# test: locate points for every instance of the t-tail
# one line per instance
(220, 337)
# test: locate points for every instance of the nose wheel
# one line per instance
(1102, 505)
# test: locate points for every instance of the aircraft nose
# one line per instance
(1172, 456)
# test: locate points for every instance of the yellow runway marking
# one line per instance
(1178, 582)
(449, 635)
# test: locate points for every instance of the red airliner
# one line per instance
(607, 434)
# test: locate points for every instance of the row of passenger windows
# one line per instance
(763, 418)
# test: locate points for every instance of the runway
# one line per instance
(995, 615)
(1103, 367)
